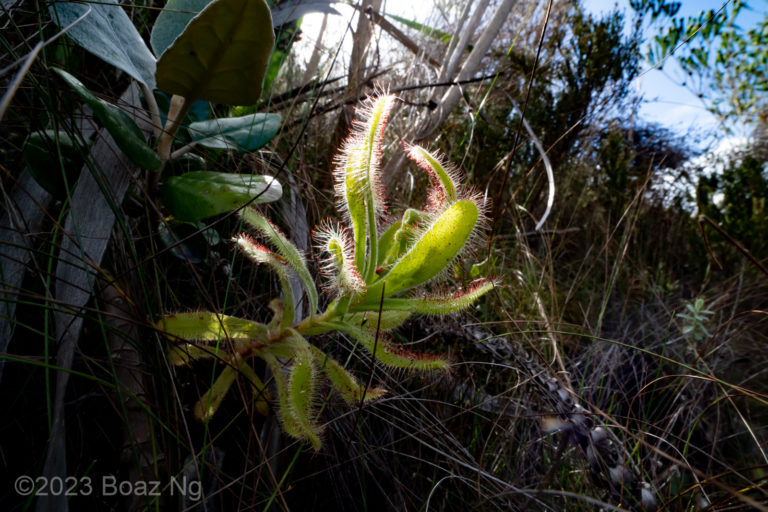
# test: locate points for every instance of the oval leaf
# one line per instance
(222, 55)
(120, 126)
(107, 32)
(177, 14)
(200, 194)
(172, 21)
(54, 159)
(246, 133)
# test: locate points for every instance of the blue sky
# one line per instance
(666, 101)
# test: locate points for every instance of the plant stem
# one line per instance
(176, 113)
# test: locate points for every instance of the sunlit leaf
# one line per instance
(432, 252)
(200, 194)
(287, 12)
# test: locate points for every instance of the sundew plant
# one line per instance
(376, 275)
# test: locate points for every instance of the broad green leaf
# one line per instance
(432, 252)
(177, 14)
(123, 129)
(246, 133)
(53, 158)
(292, 10)
(172, 21)
(107, 32)
(222, 55)
(200, 194)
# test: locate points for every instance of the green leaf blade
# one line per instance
(172, 21)
(107, 32)
(200, 194)
(120, 126)
(247, 133)
(432, 252)
(222, 55)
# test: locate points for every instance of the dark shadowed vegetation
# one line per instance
(586, 332)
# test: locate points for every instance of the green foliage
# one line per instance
(246, 133)
(123, 129)
(724, 62)
(106, 31)
(197, 62)
(222, 54)
(359, 308)
(197, 195)
(172, 21)
(695, 319)
(737, 200)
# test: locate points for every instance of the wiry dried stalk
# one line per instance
(609, 464)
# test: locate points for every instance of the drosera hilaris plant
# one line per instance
(374, 277)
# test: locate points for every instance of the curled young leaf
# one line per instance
(445, 181)
(260, 254)
(338, 266)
